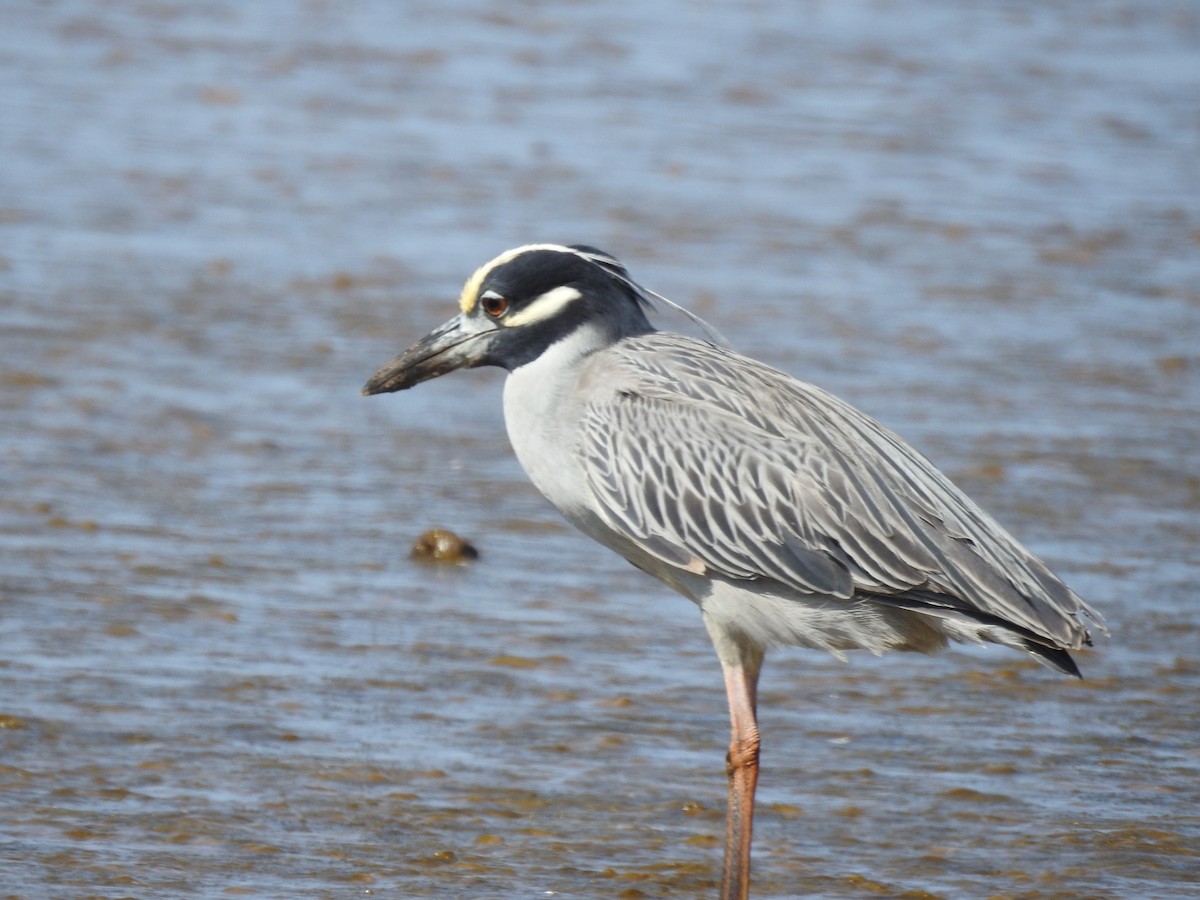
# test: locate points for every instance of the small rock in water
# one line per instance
(441, 546)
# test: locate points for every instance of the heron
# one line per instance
(785, 514)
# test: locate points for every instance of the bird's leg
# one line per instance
(741, 765)
(741, 669)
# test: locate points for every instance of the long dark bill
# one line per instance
(454, 345)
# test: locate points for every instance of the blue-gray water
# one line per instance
(221, 675)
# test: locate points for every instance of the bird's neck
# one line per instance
(542, 409)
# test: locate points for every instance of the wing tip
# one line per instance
(1053, 658)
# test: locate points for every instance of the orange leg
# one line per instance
(741, 686)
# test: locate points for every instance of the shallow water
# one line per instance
(220, 673)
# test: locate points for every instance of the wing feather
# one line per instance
(698, 454)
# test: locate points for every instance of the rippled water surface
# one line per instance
(220, 672)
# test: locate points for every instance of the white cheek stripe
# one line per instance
(544, 307)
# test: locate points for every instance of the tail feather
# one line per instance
(1043, 649)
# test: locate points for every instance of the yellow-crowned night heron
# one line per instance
(786, 515)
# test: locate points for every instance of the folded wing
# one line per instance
(697, 455)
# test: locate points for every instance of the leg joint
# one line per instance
(743, 754)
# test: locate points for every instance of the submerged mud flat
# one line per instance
(220, 671)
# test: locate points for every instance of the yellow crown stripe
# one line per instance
(470, 291)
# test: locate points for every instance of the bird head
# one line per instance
(519, 304)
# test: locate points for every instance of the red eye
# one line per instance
(494, 305)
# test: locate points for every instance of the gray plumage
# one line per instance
(697, 454)
(787, 515)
